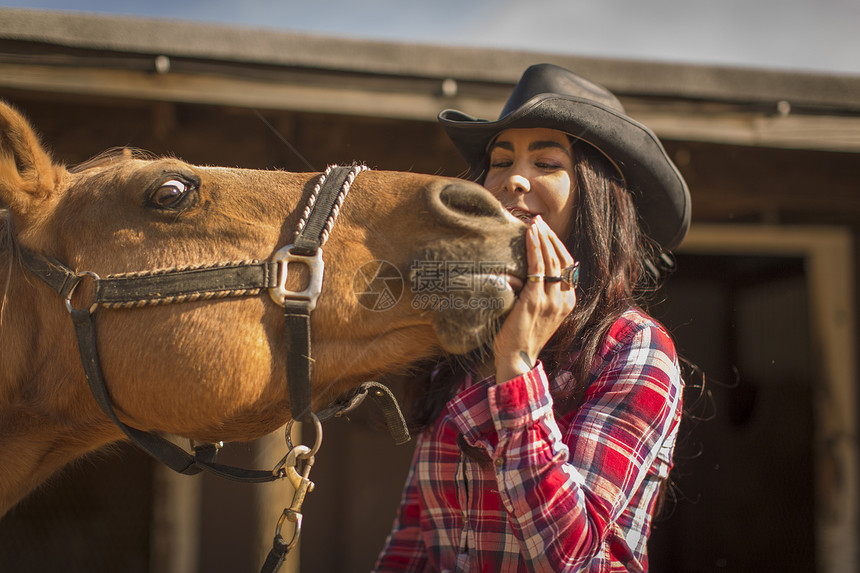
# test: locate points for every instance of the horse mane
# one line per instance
(112, 155)
(8, 247)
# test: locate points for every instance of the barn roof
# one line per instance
(169, 60)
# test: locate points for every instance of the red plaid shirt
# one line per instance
(568, 493)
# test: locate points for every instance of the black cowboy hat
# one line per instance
(553, 97)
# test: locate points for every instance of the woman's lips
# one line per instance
(521, 214)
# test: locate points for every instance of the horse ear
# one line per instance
(28, 176)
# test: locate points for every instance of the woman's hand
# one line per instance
(540, 308)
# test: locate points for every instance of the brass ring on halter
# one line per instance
(569, 276)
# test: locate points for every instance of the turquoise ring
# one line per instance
(569, 276)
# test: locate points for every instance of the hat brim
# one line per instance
(659, 192)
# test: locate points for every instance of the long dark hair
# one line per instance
(618, 268)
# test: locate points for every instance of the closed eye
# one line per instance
(548, 166)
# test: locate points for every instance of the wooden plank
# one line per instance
(826, 133)
(397, 98)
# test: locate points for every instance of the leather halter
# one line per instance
(218, 281)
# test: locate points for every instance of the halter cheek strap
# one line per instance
(317, 220)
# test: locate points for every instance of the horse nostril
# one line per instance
(470, 200)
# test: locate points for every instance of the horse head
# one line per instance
(415, 265)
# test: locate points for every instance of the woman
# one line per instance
(549, 455)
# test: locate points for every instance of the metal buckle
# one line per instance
(94, 302)
(279, 292)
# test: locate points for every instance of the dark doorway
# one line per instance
(744, 482)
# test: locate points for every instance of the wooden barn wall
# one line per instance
(76, 128)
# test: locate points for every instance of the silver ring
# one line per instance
(317, 438)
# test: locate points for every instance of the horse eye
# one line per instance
(169, 194)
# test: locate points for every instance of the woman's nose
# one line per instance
(517, 183)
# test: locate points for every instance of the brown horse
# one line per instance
(215, 369)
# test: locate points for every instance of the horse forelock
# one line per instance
(112, 156)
